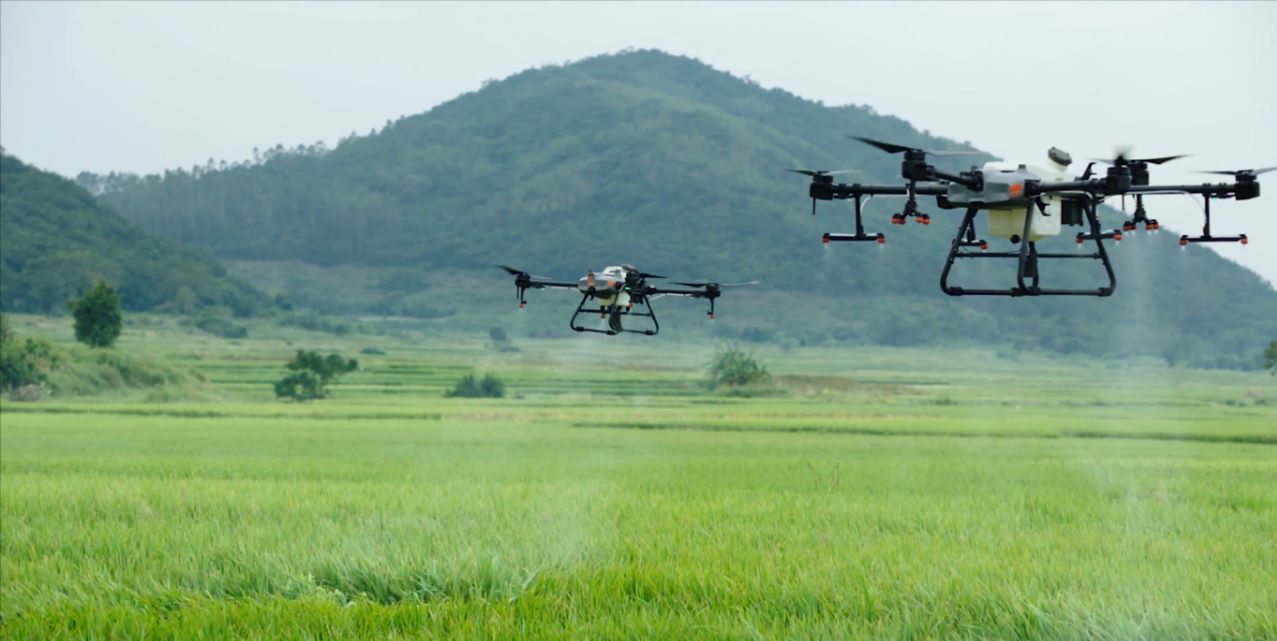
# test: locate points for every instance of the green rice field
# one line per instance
(886, 494)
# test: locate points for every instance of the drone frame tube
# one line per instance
(1028, 257)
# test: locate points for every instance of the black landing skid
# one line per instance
(1028, 258)
(639, 307)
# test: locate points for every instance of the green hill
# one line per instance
(664, 162)
(56, 240)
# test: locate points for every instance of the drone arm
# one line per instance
(1220, 189)
(522, 284)
(546, 284)
(690, 293)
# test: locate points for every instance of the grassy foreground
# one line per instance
(891, 494)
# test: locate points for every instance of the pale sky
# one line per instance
(141, 87)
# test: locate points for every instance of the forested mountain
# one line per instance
(664, 162)
(56, 240)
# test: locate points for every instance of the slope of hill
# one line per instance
(665, 162)
(56, 240)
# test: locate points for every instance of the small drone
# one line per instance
(1026, 203)
(616, 292)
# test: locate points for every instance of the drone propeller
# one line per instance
(1241, 172)
(1121, 157)
(824, 172)
(647, 275)
(718, 285)
(522, 275)
(893, 148)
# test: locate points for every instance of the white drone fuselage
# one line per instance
(1008, 222)
(608, 285)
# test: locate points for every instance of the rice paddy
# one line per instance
(894, 494)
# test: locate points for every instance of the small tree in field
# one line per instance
(98, 320)
(1270, 358)
(734, 367)
(311, 374)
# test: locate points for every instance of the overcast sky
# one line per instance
(146, 86)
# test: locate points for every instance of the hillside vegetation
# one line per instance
(666, 163)
(56, 240)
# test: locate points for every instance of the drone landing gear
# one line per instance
(614, 314)
(1206, 236)
(1028, 258)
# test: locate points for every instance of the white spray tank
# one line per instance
(1010, 222)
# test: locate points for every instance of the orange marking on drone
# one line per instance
(1017, 189)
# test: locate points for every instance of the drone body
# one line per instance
(615, 293)
(1025, 204)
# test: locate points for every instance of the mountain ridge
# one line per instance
(56, 240)
(675, 166)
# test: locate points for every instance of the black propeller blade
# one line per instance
(812, 173)
(718, 285)
(893, 148)
(512, 271)
(1121, 157)
(1241, 172)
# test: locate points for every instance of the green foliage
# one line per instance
(500, 341)
(217, 321)
(56, 241)
(735, 367)
(98, 321)
(471, 386)
(1270, 358)
(26, 362)
(33, 367)
(311, 374)
(315, 322)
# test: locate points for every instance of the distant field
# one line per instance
(901, 494)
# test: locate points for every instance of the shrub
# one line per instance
(311, 374)
(373, 351)
(735, 367)
(24, 363)
(29, 393)
(315, 323)
(500, 340)
(220, 324)
(471, 386)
